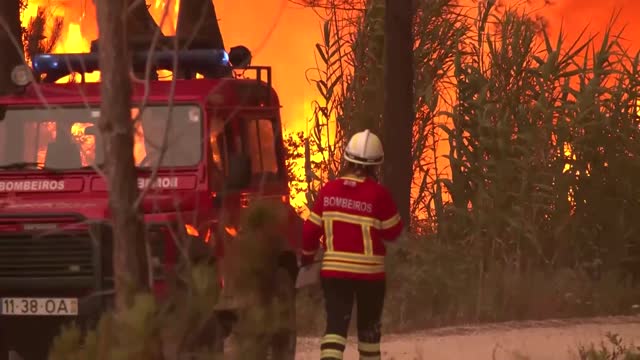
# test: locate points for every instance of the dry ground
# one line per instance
(544, 340)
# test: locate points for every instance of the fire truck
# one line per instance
(207, 143)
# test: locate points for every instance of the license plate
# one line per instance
(39, 306)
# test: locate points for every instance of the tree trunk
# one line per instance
(198, 24)
(398, 104)
(130, 256)
(9, 18)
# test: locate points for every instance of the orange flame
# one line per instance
(279, 35)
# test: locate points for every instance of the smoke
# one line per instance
(594, 15)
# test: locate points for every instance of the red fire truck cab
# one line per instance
(215, 141)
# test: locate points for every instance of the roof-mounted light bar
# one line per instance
(57, 66)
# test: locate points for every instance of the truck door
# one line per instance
(263, 145)
(223, 147)
(255, 139)
(234, 140)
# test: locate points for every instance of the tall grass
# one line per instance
(525, 167)
(544, 145)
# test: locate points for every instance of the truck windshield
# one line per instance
(67, 138)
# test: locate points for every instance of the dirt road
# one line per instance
(544, 340)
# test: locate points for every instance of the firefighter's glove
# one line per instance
(306, 260)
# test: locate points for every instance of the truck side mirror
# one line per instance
(91, 130)
(239, 171)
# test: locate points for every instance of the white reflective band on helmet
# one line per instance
(364, 148)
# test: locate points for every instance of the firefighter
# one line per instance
(356, 215)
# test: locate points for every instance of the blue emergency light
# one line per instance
(57, 66)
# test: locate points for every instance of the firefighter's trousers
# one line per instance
(340, 296)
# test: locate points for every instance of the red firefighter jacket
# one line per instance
(355, 215)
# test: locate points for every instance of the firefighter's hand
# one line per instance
(306, 260)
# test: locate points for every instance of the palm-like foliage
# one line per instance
(525, 158)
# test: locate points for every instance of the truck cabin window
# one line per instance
(261, 143)
(219, 131)
(68, 138)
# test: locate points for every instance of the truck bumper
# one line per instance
(66, 265)
(31, 337)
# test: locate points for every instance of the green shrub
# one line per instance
(615, 349)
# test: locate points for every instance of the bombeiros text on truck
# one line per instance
(220, 118)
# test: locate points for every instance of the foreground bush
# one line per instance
(150, 329)
(184, 325)
(431, 284)
(434, 284)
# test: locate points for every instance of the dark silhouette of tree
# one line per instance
(34, 35)
(139, 20)
(140, 23)
(10, 35)
(131, 272)
(198, 24)
(399, 114)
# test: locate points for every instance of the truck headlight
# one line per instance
(21, 75)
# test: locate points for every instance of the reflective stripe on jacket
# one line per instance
(354, 216)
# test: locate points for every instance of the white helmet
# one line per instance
(364, 148)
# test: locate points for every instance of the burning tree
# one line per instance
(197, 21)
(524, 153)
(41, 36)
